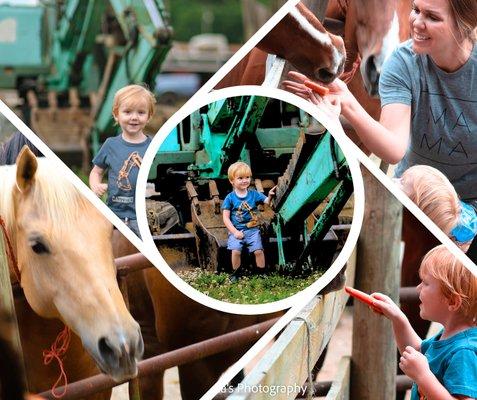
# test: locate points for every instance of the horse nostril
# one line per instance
(325, 75)
(371, 70)
(107, 352)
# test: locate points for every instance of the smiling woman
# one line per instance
(428, 93)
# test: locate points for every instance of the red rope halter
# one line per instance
(10, 253)
(56, 352)
(347, 76)
(62, 341)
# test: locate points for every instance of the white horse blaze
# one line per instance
(321, 37)
(390, 42)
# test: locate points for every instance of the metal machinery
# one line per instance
(284, 147)
(66, 59)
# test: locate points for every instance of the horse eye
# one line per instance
(39, 247)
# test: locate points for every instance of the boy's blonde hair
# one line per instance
(454, 279)
(432, 192)
(133, 95)
(238, 168)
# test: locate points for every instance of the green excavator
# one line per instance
(285, 148)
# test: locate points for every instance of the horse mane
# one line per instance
(61, 202)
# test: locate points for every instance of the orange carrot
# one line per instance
(318, 89)
(361, 296)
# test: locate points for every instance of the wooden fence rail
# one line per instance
(287, 364)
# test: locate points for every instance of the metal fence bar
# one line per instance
(154, 365)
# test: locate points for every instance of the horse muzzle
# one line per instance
(118, 356)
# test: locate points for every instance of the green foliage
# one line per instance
(189, 18)
(248, 290)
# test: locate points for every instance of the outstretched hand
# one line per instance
(330, 103)
(386, 306)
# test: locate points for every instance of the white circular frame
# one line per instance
(330, 123)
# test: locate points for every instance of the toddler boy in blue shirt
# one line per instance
(240, 217)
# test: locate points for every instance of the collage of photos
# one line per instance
(256, 199)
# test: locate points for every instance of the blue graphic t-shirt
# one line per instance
(453, 361)
(243, 210)
(443, 114)
(122, 160)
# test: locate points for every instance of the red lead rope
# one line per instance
(10, 252)
(346, 77)
(56, 352)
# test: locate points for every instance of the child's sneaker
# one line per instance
(236, 275)
(260, 272)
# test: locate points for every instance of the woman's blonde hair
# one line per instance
(133, 95)
(464, 13)
(454, 279)
(434, 195)
(238, 168)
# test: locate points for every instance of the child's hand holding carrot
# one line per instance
(386, 306)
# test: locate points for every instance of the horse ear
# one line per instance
(26, 168)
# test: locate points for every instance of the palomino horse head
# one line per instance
(301, 39)
(373, 30)
(63, 247)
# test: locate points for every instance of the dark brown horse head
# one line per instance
(375, 28)
(301, 39)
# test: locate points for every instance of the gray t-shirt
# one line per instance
(122, 160)
(443, 114)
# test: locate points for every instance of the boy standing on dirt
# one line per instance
(444, 366)
(121, 156)
(240, 217)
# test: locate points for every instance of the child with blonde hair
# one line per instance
(433, 193)
(444, 366)
(240, 217)
(121, 155)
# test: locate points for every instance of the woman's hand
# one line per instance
(330, 103)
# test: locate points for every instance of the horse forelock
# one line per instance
(307, 21)
(58, 198)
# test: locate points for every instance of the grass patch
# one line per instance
(249, 289)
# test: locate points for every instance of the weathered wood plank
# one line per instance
(340, 388)
(285, 367)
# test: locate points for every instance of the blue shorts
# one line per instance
(251, 239)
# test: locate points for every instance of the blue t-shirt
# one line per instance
(443, 114)
(122, 160)
(453, 361)
(243, 210)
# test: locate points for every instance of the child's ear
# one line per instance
(455, 302)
